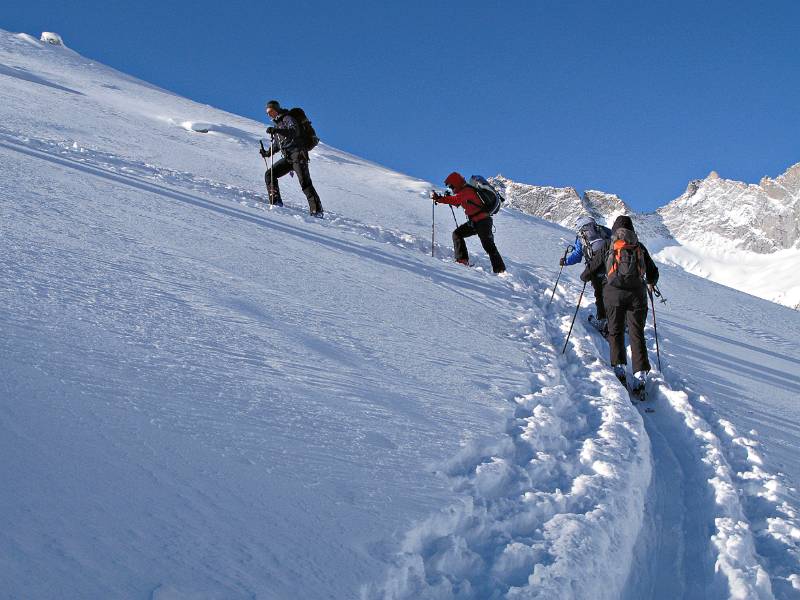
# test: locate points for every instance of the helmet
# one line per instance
(583, 221)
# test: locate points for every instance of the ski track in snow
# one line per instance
(546, 505)
(581, 488)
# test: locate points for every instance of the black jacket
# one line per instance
(287, 134)
(596, 267)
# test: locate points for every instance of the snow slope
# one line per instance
(203, 398)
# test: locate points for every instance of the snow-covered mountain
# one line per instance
(560, 205)
(741, 235)
(722, 213)
(205, 398)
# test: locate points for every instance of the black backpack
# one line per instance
(593, 236)
(308, 137)
(491, 199)
(625, 267)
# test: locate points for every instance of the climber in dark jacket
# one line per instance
(286, 139)
(630, 271)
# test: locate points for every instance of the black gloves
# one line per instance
(265, 153)
(435, 196)
(271, 130)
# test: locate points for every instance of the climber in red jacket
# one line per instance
(479, 221)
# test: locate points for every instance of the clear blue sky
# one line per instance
(635, 98)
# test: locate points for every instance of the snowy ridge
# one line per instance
(560, 205)
(204, 397)
(743, 236)
(722, 213)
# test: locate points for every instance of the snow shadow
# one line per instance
(722, 360)
(20, 73)
(732, 342)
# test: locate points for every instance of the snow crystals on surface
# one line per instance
(204, 398)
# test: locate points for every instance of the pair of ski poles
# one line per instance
(560, 271)
(650, 293)
(271, 164)
(433, 223)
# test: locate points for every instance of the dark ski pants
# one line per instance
(630, 307)
(296, 162)
(597, 285)
(483, 229)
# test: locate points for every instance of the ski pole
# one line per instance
(266, 164)
(573, 318)
(454, 215)
(655, 326)
(433, 225)
(271, 168)
(657, 293)
(261, 143)
(559, 274)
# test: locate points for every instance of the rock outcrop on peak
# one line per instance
(558, 205)
(725, 213)
(712, 212)
(52, 38)
(604, 207)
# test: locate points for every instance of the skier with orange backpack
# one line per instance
(630, 272)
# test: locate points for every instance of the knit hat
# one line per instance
(622, 222)
(455, 180)
(274, 105)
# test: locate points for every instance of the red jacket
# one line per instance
(468, 199)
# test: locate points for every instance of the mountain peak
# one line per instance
(763, 218)
(560, 205)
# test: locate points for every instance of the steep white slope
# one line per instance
(204, 398)
(207, 399)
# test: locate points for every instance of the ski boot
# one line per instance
(600, 324)
(619, 371)
(638, 386)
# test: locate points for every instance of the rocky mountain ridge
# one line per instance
(716, 212)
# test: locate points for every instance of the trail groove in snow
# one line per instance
(552, 506)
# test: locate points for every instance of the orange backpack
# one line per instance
(625, 267)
